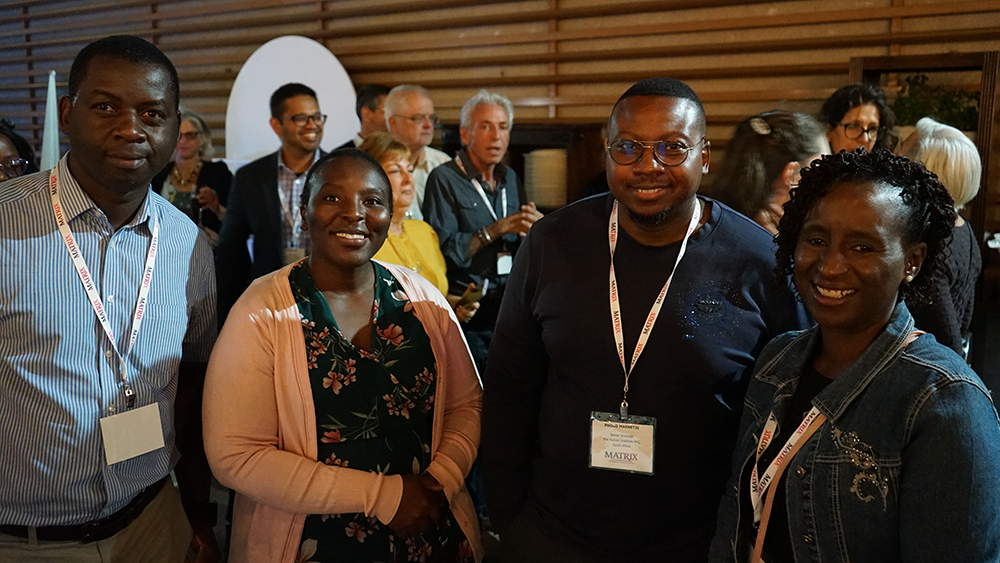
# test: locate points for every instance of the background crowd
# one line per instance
(387, 352)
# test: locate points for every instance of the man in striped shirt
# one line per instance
(106, 323)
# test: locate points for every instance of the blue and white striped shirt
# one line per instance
(58, 373)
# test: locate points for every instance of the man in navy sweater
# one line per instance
(587, 459)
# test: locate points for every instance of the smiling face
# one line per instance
(348, 214)
(650, 192)
(302, 140)
(487, 136)
(850, 258)
(397, 168)
(122, 126)
(865, 116)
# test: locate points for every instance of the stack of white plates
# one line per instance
(545, 177)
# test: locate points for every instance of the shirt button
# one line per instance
(801, 472)
(111, 299)
(807, 538)
(108, 353)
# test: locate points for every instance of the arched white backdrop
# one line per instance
(291, 58)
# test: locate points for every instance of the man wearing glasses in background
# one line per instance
(264, 199)
(587, 459)
(409, 114)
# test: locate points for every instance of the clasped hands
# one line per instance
(421, 507)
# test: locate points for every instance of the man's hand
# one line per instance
(205, 546)
(517, 223)
(420, 507)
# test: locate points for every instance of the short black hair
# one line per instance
(24, 149)
(328, 159)
(368, 97)
(286, 92)
(853, 95)
(665, 88)
(129, 48)
(930, 219)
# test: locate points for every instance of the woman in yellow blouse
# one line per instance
(411, 243)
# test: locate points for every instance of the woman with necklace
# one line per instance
(411, 243)
(342, 404)
(192, 182)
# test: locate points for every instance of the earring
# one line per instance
(908, 278)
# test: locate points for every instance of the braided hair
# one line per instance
(930, 218)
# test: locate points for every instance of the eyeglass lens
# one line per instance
(421, 118)
(667, 152)
(855, 130)
(12, 168)
(301, 120)
(189, 135)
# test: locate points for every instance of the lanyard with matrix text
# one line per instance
(759, 486)
(94, 297)
(616, 314)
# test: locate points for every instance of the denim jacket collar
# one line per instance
(837, 396)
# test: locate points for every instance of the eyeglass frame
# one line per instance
(320, 120)
(864, 131)
(704, 142)
(9, 164)
(421, 117)
(189, 135)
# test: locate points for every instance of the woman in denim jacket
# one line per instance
(903, 462)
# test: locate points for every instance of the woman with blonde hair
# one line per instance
(951, 155)
(411, 243)
(192, 181)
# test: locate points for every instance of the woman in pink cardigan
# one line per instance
(341, 403)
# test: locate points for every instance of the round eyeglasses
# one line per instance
(854, 131)
(10, 169)
(667, 153)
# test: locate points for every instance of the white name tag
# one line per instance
(132, 433)
(504, 262)
(622, 444)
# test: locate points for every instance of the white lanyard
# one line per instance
(486, 200)
(482, 193)
(758, 488)
(616, 315)
(88, 283)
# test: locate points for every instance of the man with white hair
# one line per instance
(410, 117)
(474, 205)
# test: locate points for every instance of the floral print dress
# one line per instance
(374, 412)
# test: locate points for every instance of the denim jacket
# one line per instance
(906, 467)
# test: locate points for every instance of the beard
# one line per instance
(653, 220)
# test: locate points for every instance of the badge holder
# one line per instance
(622, 442)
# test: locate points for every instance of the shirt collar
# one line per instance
(281, 162)
(470, 172)
(76, 202)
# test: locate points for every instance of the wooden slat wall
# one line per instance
(559, 60)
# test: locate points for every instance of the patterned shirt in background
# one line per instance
(290, 195)
(374, 411)
(58, 373)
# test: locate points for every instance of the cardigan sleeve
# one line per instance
(259, 426)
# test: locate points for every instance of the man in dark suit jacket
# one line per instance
(264, 199)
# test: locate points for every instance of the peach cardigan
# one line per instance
(260, 424)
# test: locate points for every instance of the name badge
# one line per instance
(293, 255)
(504, 262)
(132, 433)
(622, 444)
